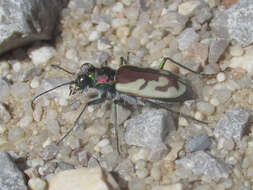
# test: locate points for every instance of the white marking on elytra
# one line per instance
(149, 90)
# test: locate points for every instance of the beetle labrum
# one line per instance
(129, 84)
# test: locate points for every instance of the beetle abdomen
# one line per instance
(149, 83)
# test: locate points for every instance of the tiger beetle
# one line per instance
(129, 84)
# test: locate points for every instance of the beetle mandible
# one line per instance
(130, 84)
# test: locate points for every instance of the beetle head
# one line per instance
(84, 79)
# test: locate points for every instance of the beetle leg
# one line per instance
(116, 126)
(176, 112)
(184, 67)
(99, 100)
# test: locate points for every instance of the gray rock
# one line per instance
(203, 15)
(149, 129)
(49, 152)
(22, 21)
(187, 37)
(216, 49)
(4, 114)
(173, 22)
(240, 23)
(4, 90)
(233, 124)
(205, 166)
(86, 5)
(65, 166)
(48, 168)
(11, 177)
(125, 169)
(235, 23)
(122, 114)
(198, 142)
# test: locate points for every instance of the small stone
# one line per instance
(187, 37)
(49, 152)
(198, 142)
(155, 173)
(142, 173)
(216, 49)
(223, 95)
(42, 55)
(48, 168)
(125, 169)
(37, 184)
(20, 90)
(118, 7)
(221, 77)
(65, 166)
(173, 22)
(17, 67)
(35, 83)
(149, 129)
(240, 24)
(175, 186)
(16, 134)
(35, 162)
(102, 27)
(119, 22)
(94, 35)
(4, 114)
(205, 108)
(214, 102)
(236, 50)
(188, 8)
(233, 124)
(203, 15)
(228, 3)
(196, 52)
(83, 178)
(205, 166)
(25, 121)
(244, 61)
(11, 176)
(4, 90)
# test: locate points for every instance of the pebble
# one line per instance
(35, 162)
(221, 77)
(142, 173)
(41, 55)
(103, 27)
(175, 186)
(216, 49)
(26, 121)
(233, 124)
(35, 83)
(4, 90)
(188, 8)
(82, 178)
(214, 101)
(149, 129)
(15, 134)
(236, 50)
(4, 114)
(119, 22)
(155, 173)
(94, 35)
(20, 90)
(187, 37)
(173, 22)
(198, 142)
(49, 152)
(17, 67)
(205, 108)
(37, 184)
(11, 176)
(205, 166)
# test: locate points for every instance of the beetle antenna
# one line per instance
(61, 68)
(74, 126)
(180, 65)
(47, 91)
